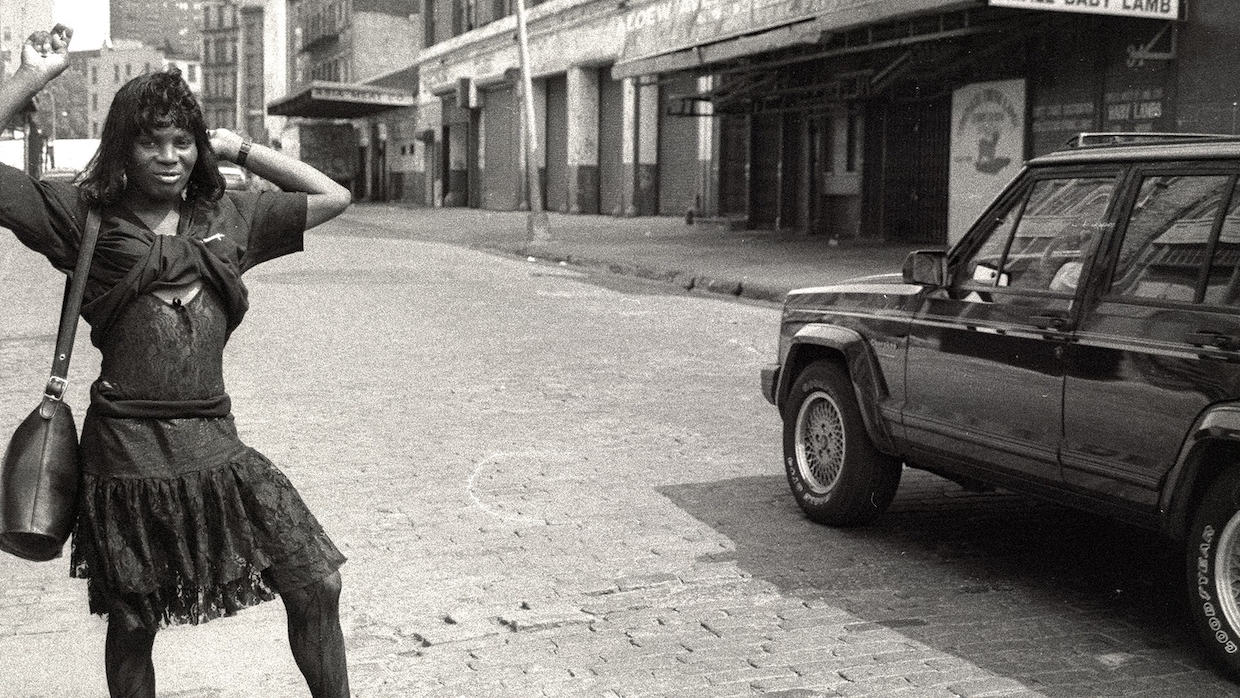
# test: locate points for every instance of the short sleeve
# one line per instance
(277, 225)
(47, 217)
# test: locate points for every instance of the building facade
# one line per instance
(339, 54)
(107, 69)
(849, 119)
(232, 65)
(173, 26)
(18, 20)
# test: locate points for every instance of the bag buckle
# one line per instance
(55, 389)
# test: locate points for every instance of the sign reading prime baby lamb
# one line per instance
(1157, 9)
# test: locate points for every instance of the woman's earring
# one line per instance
(124, 180)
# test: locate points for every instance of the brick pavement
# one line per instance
(491, 552)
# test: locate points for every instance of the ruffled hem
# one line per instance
(189, 548)
(184, 604)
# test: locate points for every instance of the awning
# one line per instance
(668, 35)
(783, 37)
(339, 100)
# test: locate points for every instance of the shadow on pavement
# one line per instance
(1067, 603)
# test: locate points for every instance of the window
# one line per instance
(1040, 241)
(1168, 235)
(94, 75)
(116, 72)
(94, 102)
(128, 69)
(192, 70)
(146, 68)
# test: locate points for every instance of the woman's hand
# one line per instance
(46, 54)
(225, 143)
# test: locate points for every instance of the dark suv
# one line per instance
(1080, 343)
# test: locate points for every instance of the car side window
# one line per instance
(1041, 241)
(1223, 283)
(1168, 239)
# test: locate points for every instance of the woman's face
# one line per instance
(161, 162)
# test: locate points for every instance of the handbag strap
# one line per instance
(75, 288)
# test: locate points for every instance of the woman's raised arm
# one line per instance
(326, 199)
(44, 56)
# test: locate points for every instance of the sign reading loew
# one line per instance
(1156, 9)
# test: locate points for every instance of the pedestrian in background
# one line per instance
(179, 522)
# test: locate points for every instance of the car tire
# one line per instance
(1213, 556)
(836, 474)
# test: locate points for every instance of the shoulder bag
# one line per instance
(40, 472)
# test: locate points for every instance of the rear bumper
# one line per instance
(770, 379)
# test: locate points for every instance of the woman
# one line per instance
(180, 522)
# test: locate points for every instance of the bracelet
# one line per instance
(242, 153)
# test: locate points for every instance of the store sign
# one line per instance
(1158, 9)
(987, 148)
(663, 26)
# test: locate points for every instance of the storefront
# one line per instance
(858, 121)
(339, 133)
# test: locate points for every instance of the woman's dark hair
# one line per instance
(144, 104)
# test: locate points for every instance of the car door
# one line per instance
(984, 374)
(1162, 341)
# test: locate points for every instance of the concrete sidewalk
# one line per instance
(755, 264)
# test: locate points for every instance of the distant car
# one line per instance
(60, 174)
(1080, 343)
(234, 177)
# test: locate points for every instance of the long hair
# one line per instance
(144, 104)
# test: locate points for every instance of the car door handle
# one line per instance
(1206, 338)
(1049, 322)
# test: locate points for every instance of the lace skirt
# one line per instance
(180, 522)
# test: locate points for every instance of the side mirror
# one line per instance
(926, 268)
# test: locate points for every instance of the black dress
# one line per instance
(180, 522)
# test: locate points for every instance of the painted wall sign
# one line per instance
(663, 26)
(987, 148)
(1159, 9)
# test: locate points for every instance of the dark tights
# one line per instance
(315, 636)
(313, 632)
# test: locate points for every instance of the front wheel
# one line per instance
(1214, 570)
(836, 474)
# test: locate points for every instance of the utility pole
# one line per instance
(538, 229)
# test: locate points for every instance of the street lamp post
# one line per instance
(51, 142)
(538, 228)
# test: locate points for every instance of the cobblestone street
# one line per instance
(551, 482)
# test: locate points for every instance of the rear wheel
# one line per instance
(1214, 570)
(836, 474)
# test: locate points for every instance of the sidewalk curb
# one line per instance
(689, 281)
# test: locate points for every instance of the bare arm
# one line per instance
(326, 199)
(44, 56)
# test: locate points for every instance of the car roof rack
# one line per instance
(1109, 138)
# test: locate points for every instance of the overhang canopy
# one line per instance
(669, 35)
(338, 100)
